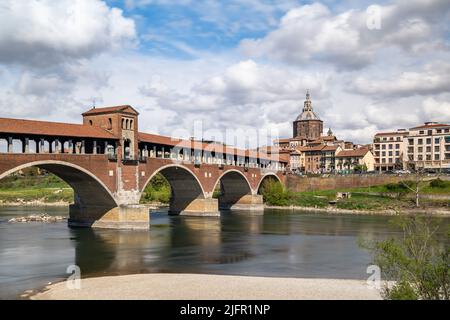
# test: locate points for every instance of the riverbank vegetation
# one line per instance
(158, 190)
(385, 197)
(416, 264)
(33, 185)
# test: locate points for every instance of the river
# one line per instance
(278, 243)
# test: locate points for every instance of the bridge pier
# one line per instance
(248, 202)
(198, 207)
(136, 217)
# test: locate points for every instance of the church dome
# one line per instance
(307, 112)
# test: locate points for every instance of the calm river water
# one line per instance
(277, 243)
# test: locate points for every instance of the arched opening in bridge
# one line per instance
(268, 184)
(91, 198)
(186, 193)
(231, 188)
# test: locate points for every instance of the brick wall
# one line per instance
(301, 184)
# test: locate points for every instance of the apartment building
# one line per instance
(428, 146)
(390, 150)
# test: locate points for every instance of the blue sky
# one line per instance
(230, 64)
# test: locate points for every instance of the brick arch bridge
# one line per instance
(108, 163)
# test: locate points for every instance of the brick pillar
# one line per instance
(83, 147)
(26, 145)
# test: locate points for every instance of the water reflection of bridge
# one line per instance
(201, 244)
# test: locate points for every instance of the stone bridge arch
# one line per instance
(188, 196)
(234, 186)
(94, 204)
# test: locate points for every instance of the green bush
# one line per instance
(274, 193)
(439, 183)
(416, 262)
(400, 187)
(158, 190)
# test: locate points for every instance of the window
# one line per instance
(436, 149)
(429, 141)
(390, 146)
(439, 130)
(390, 153)
(430, 132)
(420, 149)
(436, 140)
(90, 122)
(428, 149)
(110, 123)
(420, 157)
(398, 139)
(397, 146)
(436, 157)
(383, 147)
(397, 153)
(383, 153)
(411, 142)
(421, 132)
(419, 141)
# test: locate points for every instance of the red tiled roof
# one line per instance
(282, 140)
(330, 148)
(313, 148)
(299, 138)
(46, 128)
(192, 144)
(352, 153)
(109, 110)
(403, 133)
(431, 125)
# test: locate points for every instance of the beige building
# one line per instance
(428, 146)
(390, 150)
(348, 160)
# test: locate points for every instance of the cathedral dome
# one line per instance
(307, 112)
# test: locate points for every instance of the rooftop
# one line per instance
(114, 109)
(195, 144)
(47, 128)
(431, 125)
(353, 153)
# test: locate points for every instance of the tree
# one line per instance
(417, 263)
(416, 185)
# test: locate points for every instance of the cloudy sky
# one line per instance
(234, 64)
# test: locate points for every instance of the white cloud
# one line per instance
(436, 110)
(44, 33)
(314, 33)
(434, 78)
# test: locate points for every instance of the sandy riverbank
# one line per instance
(209, 287)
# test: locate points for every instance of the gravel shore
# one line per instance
(209, 287)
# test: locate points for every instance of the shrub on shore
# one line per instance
(416, 262)
(274, 193)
